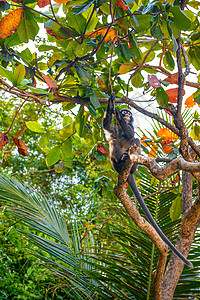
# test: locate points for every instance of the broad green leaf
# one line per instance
(53, 156)
(181, 21)
(144, 22)
(162, 97)
(77, 22)
(80, 121)
(34, 126)
(95, 101)
(168, 61)
(176, 208)
(65, 132)
(6, 73)
(67, 150)
(156, 31)
(126, 67)
(195, 132)
(126, 53)
(44, 140)
(26, 54)
(19, 74)
(134, 47)
(83, 75)
(60, 32)
(197, 97)
(67, 120)
(82, 49)
(47, 48)
(37, 90)
(28, 27)
(137, 80)
(79, 9)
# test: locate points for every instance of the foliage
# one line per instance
(124, 259)
(59, 62)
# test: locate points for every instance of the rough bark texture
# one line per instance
(164, 287)
(132, 210)
(184, 241)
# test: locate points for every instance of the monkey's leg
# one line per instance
(116, 155)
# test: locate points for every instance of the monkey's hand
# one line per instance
(118, 115)
(111, 103)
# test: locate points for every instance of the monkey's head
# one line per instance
(127, 115)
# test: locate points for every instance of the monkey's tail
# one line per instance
(133, 186)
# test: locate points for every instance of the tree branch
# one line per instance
(161, 173)
(131, 208)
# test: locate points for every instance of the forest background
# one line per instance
(64, 232)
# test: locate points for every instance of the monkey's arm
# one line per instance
(109, 114)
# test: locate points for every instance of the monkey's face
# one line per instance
(127, 115)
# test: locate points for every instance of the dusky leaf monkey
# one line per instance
(122, 138)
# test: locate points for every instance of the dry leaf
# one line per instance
(167, 135)
(50, 82)
(154, 81)
(22, 148)
(3, 140)
(189, 102)
(121, 4)
(173, 78)
(10, 23)
(173, 95)
(61, 1)
(110, 36)
(166, 148)
(42, 3)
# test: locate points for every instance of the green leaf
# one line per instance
(34, 126)
(176, 208)
(137, 80)
(80, 121)
(83, 75)
(197, 97)
(95, 101)
(126, 67)
(44, 140)
(60, 32)
(162, 97)
(181, 21)
(19, 74)
(67, 120)
(82, 49)
(26, 54)
(134, 47)
(168, 61)
(53, 156)
(4, 6)
(77, 22)
(6, 73)
(79, 9)
(67, 150)
(37, 90)
(28, 27)
(66, 131)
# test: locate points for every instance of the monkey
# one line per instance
(122, 139)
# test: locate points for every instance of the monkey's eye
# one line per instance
(123, 112)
